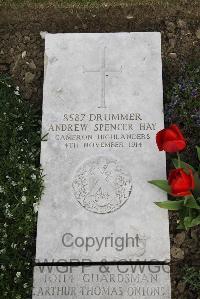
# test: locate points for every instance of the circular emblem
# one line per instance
(101, 185)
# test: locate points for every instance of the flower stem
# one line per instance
(179, 160)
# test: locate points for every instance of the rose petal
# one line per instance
(159, 140)
(174, 146)
(176, 129)
(181, 194)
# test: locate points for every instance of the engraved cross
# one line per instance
(103, 70)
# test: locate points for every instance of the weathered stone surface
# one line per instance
(102, 108)
(198, 33)
(177, 253)
(29, 77)
(32, 65)
(180, 238)
(102, 282)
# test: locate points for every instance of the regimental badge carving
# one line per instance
(101, 185)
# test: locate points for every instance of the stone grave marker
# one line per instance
(102, 282)
(102, 107)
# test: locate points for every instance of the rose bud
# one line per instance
(180, 182)
(170, 140)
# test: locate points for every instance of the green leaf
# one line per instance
(188, 222)
(198, 169)
(196, 221)
(184, 165)
(181, 225)
(182, 214)
(190, 202)
(171, 205)
(162, 184)
(198, 152)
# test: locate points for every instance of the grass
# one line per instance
(20, 191)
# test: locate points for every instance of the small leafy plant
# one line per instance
(192, 278)
(183, 184)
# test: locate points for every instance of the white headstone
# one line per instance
(102, 108)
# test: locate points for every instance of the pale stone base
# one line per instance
(102, 282)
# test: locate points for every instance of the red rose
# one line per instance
(180, 182)
(170, 140)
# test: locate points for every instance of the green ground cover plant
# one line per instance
(192, 277)
(20, 190)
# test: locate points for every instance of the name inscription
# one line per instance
(119, 281)
(101, 130)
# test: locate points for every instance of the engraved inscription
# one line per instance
(101, 185)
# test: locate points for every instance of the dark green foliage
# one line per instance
(20, 190)
(182, 106)
(192, 278)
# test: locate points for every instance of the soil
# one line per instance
(21, 56)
